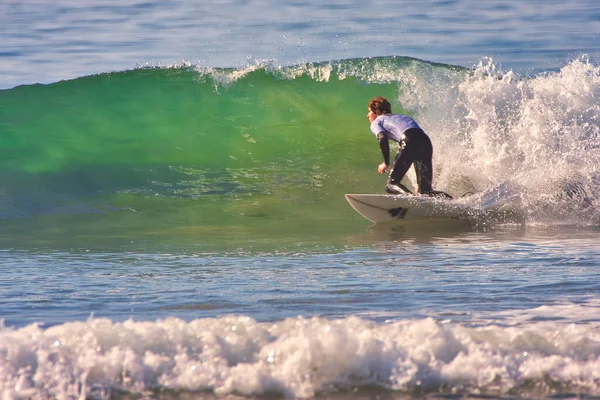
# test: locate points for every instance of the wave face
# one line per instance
(266, 146)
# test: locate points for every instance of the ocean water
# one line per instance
(172, 213)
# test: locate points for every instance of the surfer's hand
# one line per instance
(381, 168)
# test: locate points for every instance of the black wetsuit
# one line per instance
(414, 148)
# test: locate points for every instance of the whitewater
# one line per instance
(172, 213)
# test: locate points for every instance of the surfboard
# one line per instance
(379, 208)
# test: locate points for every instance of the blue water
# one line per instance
(394, 278)
(492, 309)
(49, 41)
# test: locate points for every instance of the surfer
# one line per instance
(414, 148)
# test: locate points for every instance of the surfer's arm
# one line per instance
(384, 145)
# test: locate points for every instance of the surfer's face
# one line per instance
(371, 115)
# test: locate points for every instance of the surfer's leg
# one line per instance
(423, 164)
(424, 171)
(400, 167)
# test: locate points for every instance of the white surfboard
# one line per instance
(387, 207)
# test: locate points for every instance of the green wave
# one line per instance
(187, 147)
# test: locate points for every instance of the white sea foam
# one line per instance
(538, 135)
(301, 357)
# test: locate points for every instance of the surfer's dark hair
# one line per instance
(380, 105)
